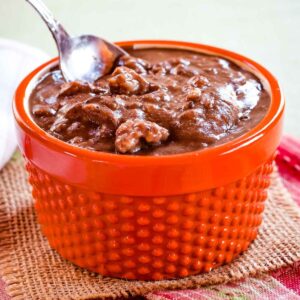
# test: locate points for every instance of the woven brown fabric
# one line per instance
(33, 271)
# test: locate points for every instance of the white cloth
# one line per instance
(16, 61)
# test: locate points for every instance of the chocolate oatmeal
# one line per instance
(155, 102)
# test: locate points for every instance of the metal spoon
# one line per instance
(83, 58)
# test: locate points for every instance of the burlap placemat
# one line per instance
(32, 270)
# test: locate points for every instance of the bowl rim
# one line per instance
(274, 112)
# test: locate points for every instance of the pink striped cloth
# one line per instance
(282, 284)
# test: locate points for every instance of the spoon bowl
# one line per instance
(87, 58)
(84, 58)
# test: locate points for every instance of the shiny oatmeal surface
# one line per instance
(155, 102)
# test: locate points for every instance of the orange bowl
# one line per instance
(151, 217)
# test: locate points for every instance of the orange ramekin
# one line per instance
(149, 217)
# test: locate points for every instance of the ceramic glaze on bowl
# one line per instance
(148, 217)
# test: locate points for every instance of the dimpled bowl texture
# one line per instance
(151, 218)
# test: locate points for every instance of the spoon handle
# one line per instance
(59, 33)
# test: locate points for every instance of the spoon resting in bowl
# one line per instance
(84, 58)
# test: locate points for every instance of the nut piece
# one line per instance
(194, 94)
(199, 81)
(128, 82)
(137, 64)
(130, 134)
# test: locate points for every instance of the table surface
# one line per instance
(267, 31)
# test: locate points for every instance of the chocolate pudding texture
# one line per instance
(155, 102)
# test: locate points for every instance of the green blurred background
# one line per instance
(265, 30)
